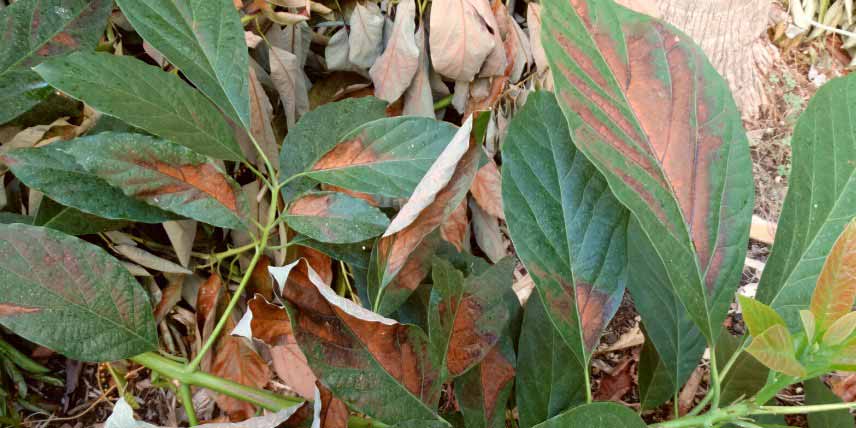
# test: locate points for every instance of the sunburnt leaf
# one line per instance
(71, 296)
(386, 157)
(566, 226)
(596, 415)
(318, 132)
(683, 167)
(819, 205)
(402, 256)
(775, 349)
(335, 218)
(203, 38)
(59, 176)
(399, 377)
(835, 292)
(163, 174)
(146, 97)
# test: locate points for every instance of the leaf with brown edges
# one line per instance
(835, 293)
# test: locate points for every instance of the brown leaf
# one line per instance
(207, 300)
(330, 412)
(260, 281)
(320, 262)
(170, 296)
(846, 389)
(261, 113)
(498, 59)
(182, 234)
(236, 360)
(290, 81)
(291, 366)
(487, 190)
(394, 70)
(492, 384)
(419, 98)
(615, 385)
(460, 37)
(688, 394)
(454, 230)
(836, 286)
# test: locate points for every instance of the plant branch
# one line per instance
(187, 402)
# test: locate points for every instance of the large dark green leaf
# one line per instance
(596, 415)
(71, 296)
(649, 110)
(57, 174)
(548, 381)
(655, 383)
(398, 378)
(817, 393)
(31, 30)
(203, 38)
(163, 174)
(821, 199)
(317, 133)
(678, 342)
(566, 226)
(146, 97)
(336, 218)
(386, 157)
(71, 220)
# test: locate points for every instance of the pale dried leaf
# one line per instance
(418, 99)
(462, 96)
(487, 190)
(136, 269)
(497, 60)
(181, 234)
(523, 54)
(533, 17)
(393, 72)
(337, 51)
(290, 81)
(149, 260)
(296, 39)
(252, 39)
(366, 39)
(460, 39)
(434, 181)
(487, 234)
(261, 112)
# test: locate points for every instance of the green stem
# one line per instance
(443, 103)
(187, 401)
(802, 410)
(778, 383)
(715, 379)
(21, 360)
(710, 419)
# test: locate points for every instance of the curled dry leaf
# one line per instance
(394, 71)
(487, 190)
(460, 38)
(365, 40)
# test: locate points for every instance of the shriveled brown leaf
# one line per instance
(394, 70)
(460, 38)
(487, 190)
(170, 296)
(498, 59)
(260, 281)
(149, 260)
(454, 230)
(320, 262)
(207, 300)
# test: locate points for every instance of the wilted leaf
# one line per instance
(290, 81)
(56, 174)
(163, 174)
(419, 99)
(399, 379)
(386, 157)
(615, 385)
(482, 393)
(596, 415)
(394, 70)
(317, 133)
(146, 97)
(205, 39)
(817, 393)
(72, 221)
(682, 168)
(835, 293)
(488, 234)
(533, 18)
(333, 217)
(565, 225)
(366, 35)
(402, 257)
(455, 229)
(149, 260)
(775, 349)
(181, 234)
(460, 38)
(548, 382)
(71, 296)
(758, 316)
(487, 190)
(236, 360)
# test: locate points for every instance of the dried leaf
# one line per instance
(460, 37)
(418, 99)
(181, 234)
(337, 52)
(454, 230)
(487, 190)
(290, 81)
(261, 114)
(394, 71)
(488, 235)
(149, 260)
(123, 417)
(236, 360)
(533, 17)
(615, 385)
(330, 412)
(366, 38)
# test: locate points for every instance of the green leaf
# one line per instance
(357, 254)
(775, 349)
(467, 316)
(336, 218)
(656, 386)
(758, 316)
(72, 221)
(11, 218)
(20, 90)
(318, 132)
(399, 379)
(846, 358)
(548, 381)
(483, 392)
(50, 170)
(678, 341)
(835, 293)
(816, 393)
(747, 375)
(71, 296)
(37, 29)
(387, 157)
(596, 415)
(163, 174)
(809, 324)
(649, 110)
(821, 200)
(144, 96)
(567, 228)
(203, 38)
